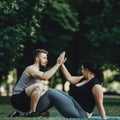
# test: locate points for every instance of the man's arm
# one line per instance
(48, 74)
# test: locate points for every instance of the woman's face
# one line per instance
(84, 71)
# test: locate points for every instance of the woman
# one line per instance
(89, 89)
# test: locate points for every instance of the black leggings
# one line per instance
(64, 103)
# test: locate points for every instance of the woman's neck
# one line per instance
(90, 76)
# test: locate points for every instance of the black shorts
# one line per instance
(21, 102)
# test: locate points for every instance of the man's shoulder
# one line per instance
(29, 69)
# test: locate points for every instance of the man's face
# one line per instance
(43, 59)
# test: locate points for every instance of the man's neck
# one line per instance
(36, 65)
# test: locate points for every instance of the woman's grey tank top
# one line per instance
(23, 83)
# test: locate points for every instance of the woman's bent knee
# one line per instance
(51, 91)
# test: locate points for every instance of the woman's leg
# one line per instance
(64, 103)
(44, 103)
(77, 106)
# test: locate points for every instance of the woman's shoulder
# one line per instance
(96, 81)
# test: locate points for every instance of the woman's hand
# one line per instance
(61, 58)
(64, 60)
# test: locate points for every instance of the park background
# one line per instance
(83, 28)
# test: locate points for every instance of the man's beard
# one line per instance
(40, 66)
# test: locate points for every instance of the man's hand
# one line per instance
(61, 58)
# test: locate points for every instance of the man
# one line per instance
(29, 87)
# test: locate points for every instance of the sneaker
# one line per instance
(33, 114)
(14, 114)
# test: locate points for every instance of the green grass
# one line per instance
(112, 108)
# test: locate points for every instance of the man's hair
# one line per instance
(36, 52)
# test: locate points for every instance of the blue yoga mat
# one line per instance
(94, 117)
(107, 117)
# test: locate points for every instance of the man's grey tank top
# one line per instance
(23, 83)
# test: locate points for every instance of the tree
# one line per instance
(58, 23)
(98, 35)
(15, 26)
(33, 22)
(104, 32)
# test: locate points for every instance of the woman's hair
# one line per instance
(94, 68)
(36, 52)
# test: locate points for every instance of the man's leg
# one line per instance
(21, 102)
(34, 92)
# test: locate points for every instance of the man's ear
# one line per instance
(37, 59)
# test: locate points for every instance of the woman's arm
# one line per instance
(71, 79)
(98, 94)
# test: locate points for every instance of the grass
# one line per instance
(112, 108)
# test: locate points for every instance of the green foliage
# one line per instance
(84, 28)
(105, 26)
(18, 22)
(104, 31)
(25, 23)
(63, 14)
(59, 21)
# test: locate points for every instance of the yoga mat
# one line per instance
(107, 117)
(94, 117)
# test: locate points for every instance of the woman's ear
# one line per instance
(87, 70)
